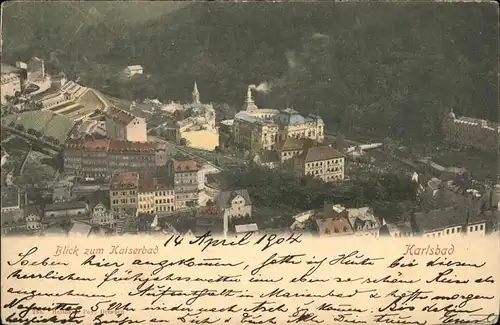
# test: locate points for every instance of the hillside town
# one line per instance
(77, 162)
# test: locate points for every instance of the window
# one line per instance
(447, 231)
(453, 231)
(476, 228)
(481, 227)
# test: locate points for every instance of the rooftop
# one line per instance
(322, 153)
(296, 144)
(125, 179)
(149, 183)
(333, 226)
(403, 227)
(65, 206)
(120, 115)
(362, 218)
(492, 216)
(185, 165)
(114, 145)
(439, 219)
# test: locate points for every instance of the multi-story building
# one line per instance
(440, 222)
(103, 158)
(471, 132)
(35, 70)
(189, 182)
(321, 162)
(123, 192)
(123, 125)
(155, 195)
(292, 147)
(10, 86)
(261, 129)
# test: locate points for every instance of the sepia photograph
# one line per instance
(271, 134)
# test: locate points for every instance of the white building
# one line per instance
(103, 216)
(235, 204)
(442, 222)
(122, 125)
(132, 70)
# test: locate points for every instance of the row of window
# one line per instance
(327, 163)
(476, 228)
(335, 230)
(122, 193)
(123, 201)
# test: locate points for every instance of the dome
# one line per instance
(296, 119)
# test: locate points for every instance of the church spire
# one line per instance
(196, 94)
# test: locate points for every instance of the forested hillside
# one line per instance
(380, 69)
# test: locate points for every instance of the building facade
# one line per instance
(471, 132)
(189, 182)
(123, 192)
(155, 195)
(258, 129)
(66, 210)
(102, 158)
(123, 125)
(234, 204)
(321, 162)
(103, 216)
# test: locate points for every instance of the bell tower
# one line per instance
(196, 94)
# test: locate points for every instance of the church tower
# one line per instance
(196, 94)
(249, 103)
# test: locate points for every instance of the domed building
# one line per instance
(259, 129)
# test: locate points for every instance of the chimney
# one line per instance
(327, 209)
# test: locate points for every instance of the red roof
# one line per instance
(185, 165)
(124, 145)
(115, 145)
(125, 179)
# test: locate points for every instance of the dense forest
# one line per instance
(377, 69)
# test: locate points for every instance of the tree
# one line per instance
(183, 142)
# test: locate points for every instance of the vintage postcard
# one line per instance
(250, 163)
